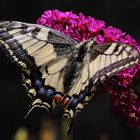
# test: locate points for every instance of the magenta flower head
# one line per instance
(79, 27)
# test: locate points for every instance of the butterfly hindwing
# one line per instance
(41, 52)
(99, 61)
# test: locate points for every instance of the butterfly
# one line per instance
(59, 71)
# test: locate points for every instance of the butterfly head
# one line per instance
(84, 48)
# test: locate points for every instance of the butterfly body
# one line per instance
(58, 71)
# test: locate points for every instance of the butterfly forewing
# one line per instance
(33, 41)
(116, 57)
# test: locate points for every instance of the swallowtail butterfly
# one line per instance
(57, 70)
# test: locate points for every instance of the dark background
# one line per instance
(96, 119)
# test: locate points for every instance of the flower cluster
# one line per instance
(126, 104)
(77, 27)
(80, 27)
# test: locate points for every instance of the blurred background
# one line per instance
(96, 122)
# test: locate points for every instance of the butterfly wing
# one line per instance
(29, 45)
(100, 61)
(42, 53)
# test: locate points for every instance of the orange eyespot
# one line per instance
(65, 102)
(58, 99)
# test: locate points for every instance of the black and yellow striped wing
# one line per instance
(99, 62)
(59, 71)
(31, 45)
(42, 53)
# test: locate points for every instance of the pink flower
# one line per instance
(80, 27)
(77, 27)
(126, 104)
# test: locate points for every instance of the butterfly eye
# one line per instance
(85, 48)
